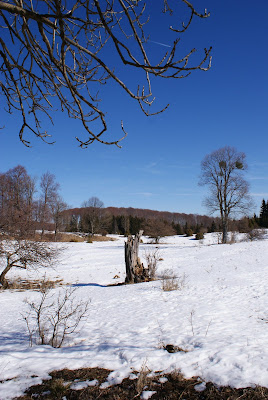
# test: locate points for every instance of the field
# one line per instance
(216, 321)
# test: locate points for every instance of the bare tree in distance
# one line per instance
(17, 189)
(93, 215)
(222, 171)
(53, 55)
(57, 205)
(49, 193)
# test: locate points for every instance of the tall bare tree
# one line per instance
(16, 201)
(93, 215)
(53, 53)
(57, 205)
(49, 192)
(222, 171)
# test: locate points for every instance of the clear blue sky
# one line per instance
(159, 164)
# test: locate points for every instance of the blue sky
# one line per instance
(158, 166)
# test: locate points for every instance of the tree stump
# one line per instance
(135, 271)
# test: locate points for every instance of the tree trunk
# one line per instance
(3, 281)
(224, 231)
(133, 266)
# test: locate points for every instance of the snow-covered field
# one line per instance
(220, 316)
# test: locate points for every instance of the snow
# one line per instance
(84, 384)
(219, 317)
(147, 394)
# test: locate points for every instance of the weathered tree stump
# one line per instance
(135, 271)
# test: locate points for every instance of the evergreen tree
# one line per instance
(264, 214)
(73, 226)
(178, 228)
(213, 227)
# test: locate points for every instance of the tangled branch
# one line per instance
(52, 55)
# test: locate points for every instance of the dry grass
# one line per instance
(143, 379)
(98, 238)
(24, 284)
(71, 237)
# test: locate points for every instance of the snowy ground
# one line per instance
(220, 317)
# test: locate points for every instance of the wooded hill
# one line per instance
(130, 220)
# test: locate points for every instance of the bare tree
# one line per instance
(93, 215)
(49, 192)
(222, 171)
(57, 205)
(16, 201)
(53, 54)
(24, 254)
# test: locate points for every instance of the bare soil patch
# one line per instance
(166, 387)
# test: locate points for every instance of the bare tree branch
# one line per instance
(52, 55)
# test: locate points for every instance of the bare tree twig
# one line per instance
(51, 56)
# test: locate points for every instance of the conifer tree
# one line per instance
(264, 214)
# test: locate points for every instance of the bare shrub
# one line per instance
(50, 320)
(255, 234)
(171, 282)
(233, 238)
(152, 258)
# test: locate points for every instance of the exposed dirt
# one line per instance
(166, 387)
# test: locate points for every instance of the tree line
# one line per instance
(28, 205)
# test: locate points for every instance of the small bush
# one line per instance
(51, 320)
(152, 258)
(199, 236)
(89, 239)
(255, 234)
(171, 282)
(189, 232)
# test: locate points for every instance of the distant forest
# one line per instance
(27, 206)
(125, 221)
